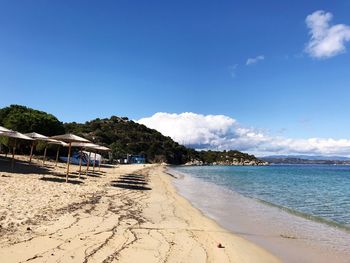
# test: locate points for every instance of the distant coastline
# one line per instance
(256, 162)
(298, 160)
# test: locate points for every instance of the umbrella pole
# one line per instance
(80, 161)
(93, 169)
(99, 164)
(88, 163)
(57, 154)
(68, 161)
(13, 156)
(31, 152)
(44, 155)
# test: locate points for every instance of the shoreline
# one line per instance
(268, 226)
(102, 219)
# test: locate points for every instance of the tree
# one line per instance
(23, 119)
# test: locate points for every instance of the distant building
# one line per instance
(132, 159)
(136, 159)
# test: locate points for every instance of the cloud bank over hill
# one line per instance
(220, 132)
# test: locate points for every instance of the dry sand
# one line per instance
(130, 213)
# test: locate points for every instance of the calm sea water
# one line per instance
(317, 192)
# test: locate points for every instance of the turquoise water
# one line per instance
(318, 192)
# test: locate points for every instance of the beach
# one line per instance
(99, 218)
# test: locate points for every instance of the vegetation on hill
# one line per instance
(23, 119)
(120, 134)
(227, 157)
(124, 137)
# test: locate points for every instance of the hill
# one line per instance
(122, 135)
(231, 157)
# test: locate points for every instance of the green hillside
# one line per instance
(120, 134)
(124, 136)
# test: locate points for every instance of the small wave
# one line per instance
(314, 218)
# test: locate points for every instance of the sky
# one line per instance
(259, 76)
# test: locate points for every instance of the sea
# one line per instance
(286, 209)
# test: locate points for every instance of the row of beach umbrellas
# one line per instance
(66, 140)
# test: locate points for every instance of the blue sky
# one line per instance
(85, 59)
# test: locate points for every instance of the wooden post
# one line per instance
(99, 164)
(13, 155)
(93, 170)
(80, 161)
(68, 160)
(88, 164)
(31, 152)
(57, 154)
(44, 155)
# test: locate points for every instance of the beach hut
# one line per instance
(15, 135)
(69, 138)
(87, 146)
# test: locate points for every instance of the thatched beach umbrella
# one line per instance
(53, 141)
(87, 146)
(103, 149)
(59, 144)
(69, 138)
(36, 137)
(15, 135)
(2, 130)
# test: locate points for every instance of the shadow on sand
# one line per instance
(22, 167)
(132, 182)
(133, 179)
(131, 186)
(60, 180)
(129, 182)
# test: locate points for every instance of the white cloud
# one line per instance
(220, 132)
(326, 40)
(233, 70)
(255, 60)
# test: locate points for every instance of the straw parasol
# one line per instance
(87, 146)
(16, 135)
(103, 149)
(37, 137)
(53, 141)
(69, 138)
(2, 130)
(59, 144)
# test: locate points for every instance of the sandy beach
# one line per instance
(129, 213)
